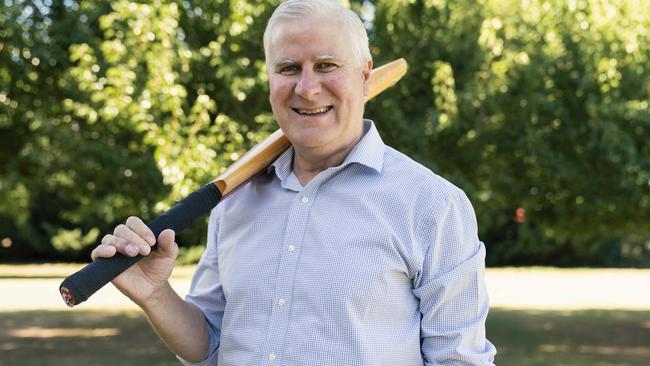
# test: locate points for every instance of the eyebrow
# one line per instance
(284, 62)
(289, 61)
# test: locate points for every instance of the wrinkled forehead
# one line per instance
(314, 36)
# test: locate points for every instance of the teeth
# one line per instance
(313, 111)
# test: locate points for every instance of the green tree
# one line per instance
(164, 81)
(129, 124)
(533, 105)
(537, 109)
(40, 181)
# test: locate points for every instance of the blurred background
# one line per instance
(538, 109)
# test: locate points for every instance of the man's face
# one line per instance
(317, 87)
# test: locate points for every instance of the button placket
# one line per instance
(284, 284)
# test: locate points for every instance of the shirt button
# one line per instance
(291, 248)
(305, 199)
(282, 302)
(271, 356)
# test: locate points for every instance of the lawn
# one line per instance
(570, 338)
(50, 334)
(95, 338)
(89, 338)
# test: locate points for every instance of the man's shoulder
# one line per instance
(401, 167)
(420, 191)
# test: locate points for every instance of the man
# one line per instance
(344, 252)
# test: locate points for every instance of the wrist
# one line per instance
(160, 298)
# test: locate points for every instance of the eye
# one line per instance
(289, 69)
(326, 66)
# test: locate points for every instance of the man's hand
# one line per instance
(180, 324)
(146, 281)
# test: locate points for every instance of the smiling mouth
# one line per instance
(312, 112)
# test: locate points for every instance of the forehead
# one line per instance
(309, 38)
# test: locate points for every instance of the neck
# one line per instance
(308, 163)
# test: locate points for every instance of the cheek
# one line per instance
(279, 102)
(280, 89)
(279, 96)
(343, 88)
(336, 83)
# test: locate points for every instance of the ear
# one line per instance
(366, 69)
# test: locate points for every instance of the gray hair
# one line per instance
(296, 9)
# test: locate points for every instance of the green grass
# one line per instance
(595, 338)
(88, 338)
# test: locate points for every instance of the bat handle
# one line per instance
(79, 286)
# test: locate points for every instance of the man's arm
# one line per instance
(451, 288)
(180, 324)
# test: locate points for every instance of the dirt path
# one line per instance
(36, 287)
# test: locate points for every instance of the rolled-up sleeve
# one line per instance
(451, 287)
(207, 294)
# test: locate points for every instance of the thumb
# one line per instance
(166, 244)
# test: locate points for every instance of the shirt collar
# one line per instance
(369, 151)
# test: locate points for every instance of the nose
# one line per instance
(308, 85)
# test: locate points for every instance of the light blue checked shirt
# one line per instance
(374, 262)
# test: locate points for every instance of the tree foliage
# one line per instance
(538, 109)
(120, 117)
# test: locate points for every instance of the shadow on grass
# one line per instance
(94, 338)
(563, 338)
(79, 338)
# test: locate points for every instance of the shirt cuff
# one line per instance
(211, 355)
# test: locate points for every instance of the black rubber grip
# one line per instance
(79, 286)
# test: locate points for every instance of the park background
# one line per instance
(538, 109)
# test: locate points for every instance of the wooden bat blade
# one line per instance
(385, 76)
(263, 154)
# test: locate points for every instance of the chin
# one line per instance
(309, 140)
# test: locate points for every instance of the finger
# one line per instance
(166, 243)
(133, 238)
(103, 251)
(139, 227)
(121, 245)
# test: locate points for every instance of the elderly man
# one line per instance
(343, 252)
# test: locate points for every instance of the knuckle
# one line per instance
(132, 220)
(100, 251)
(118, 242)
(119, 229)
